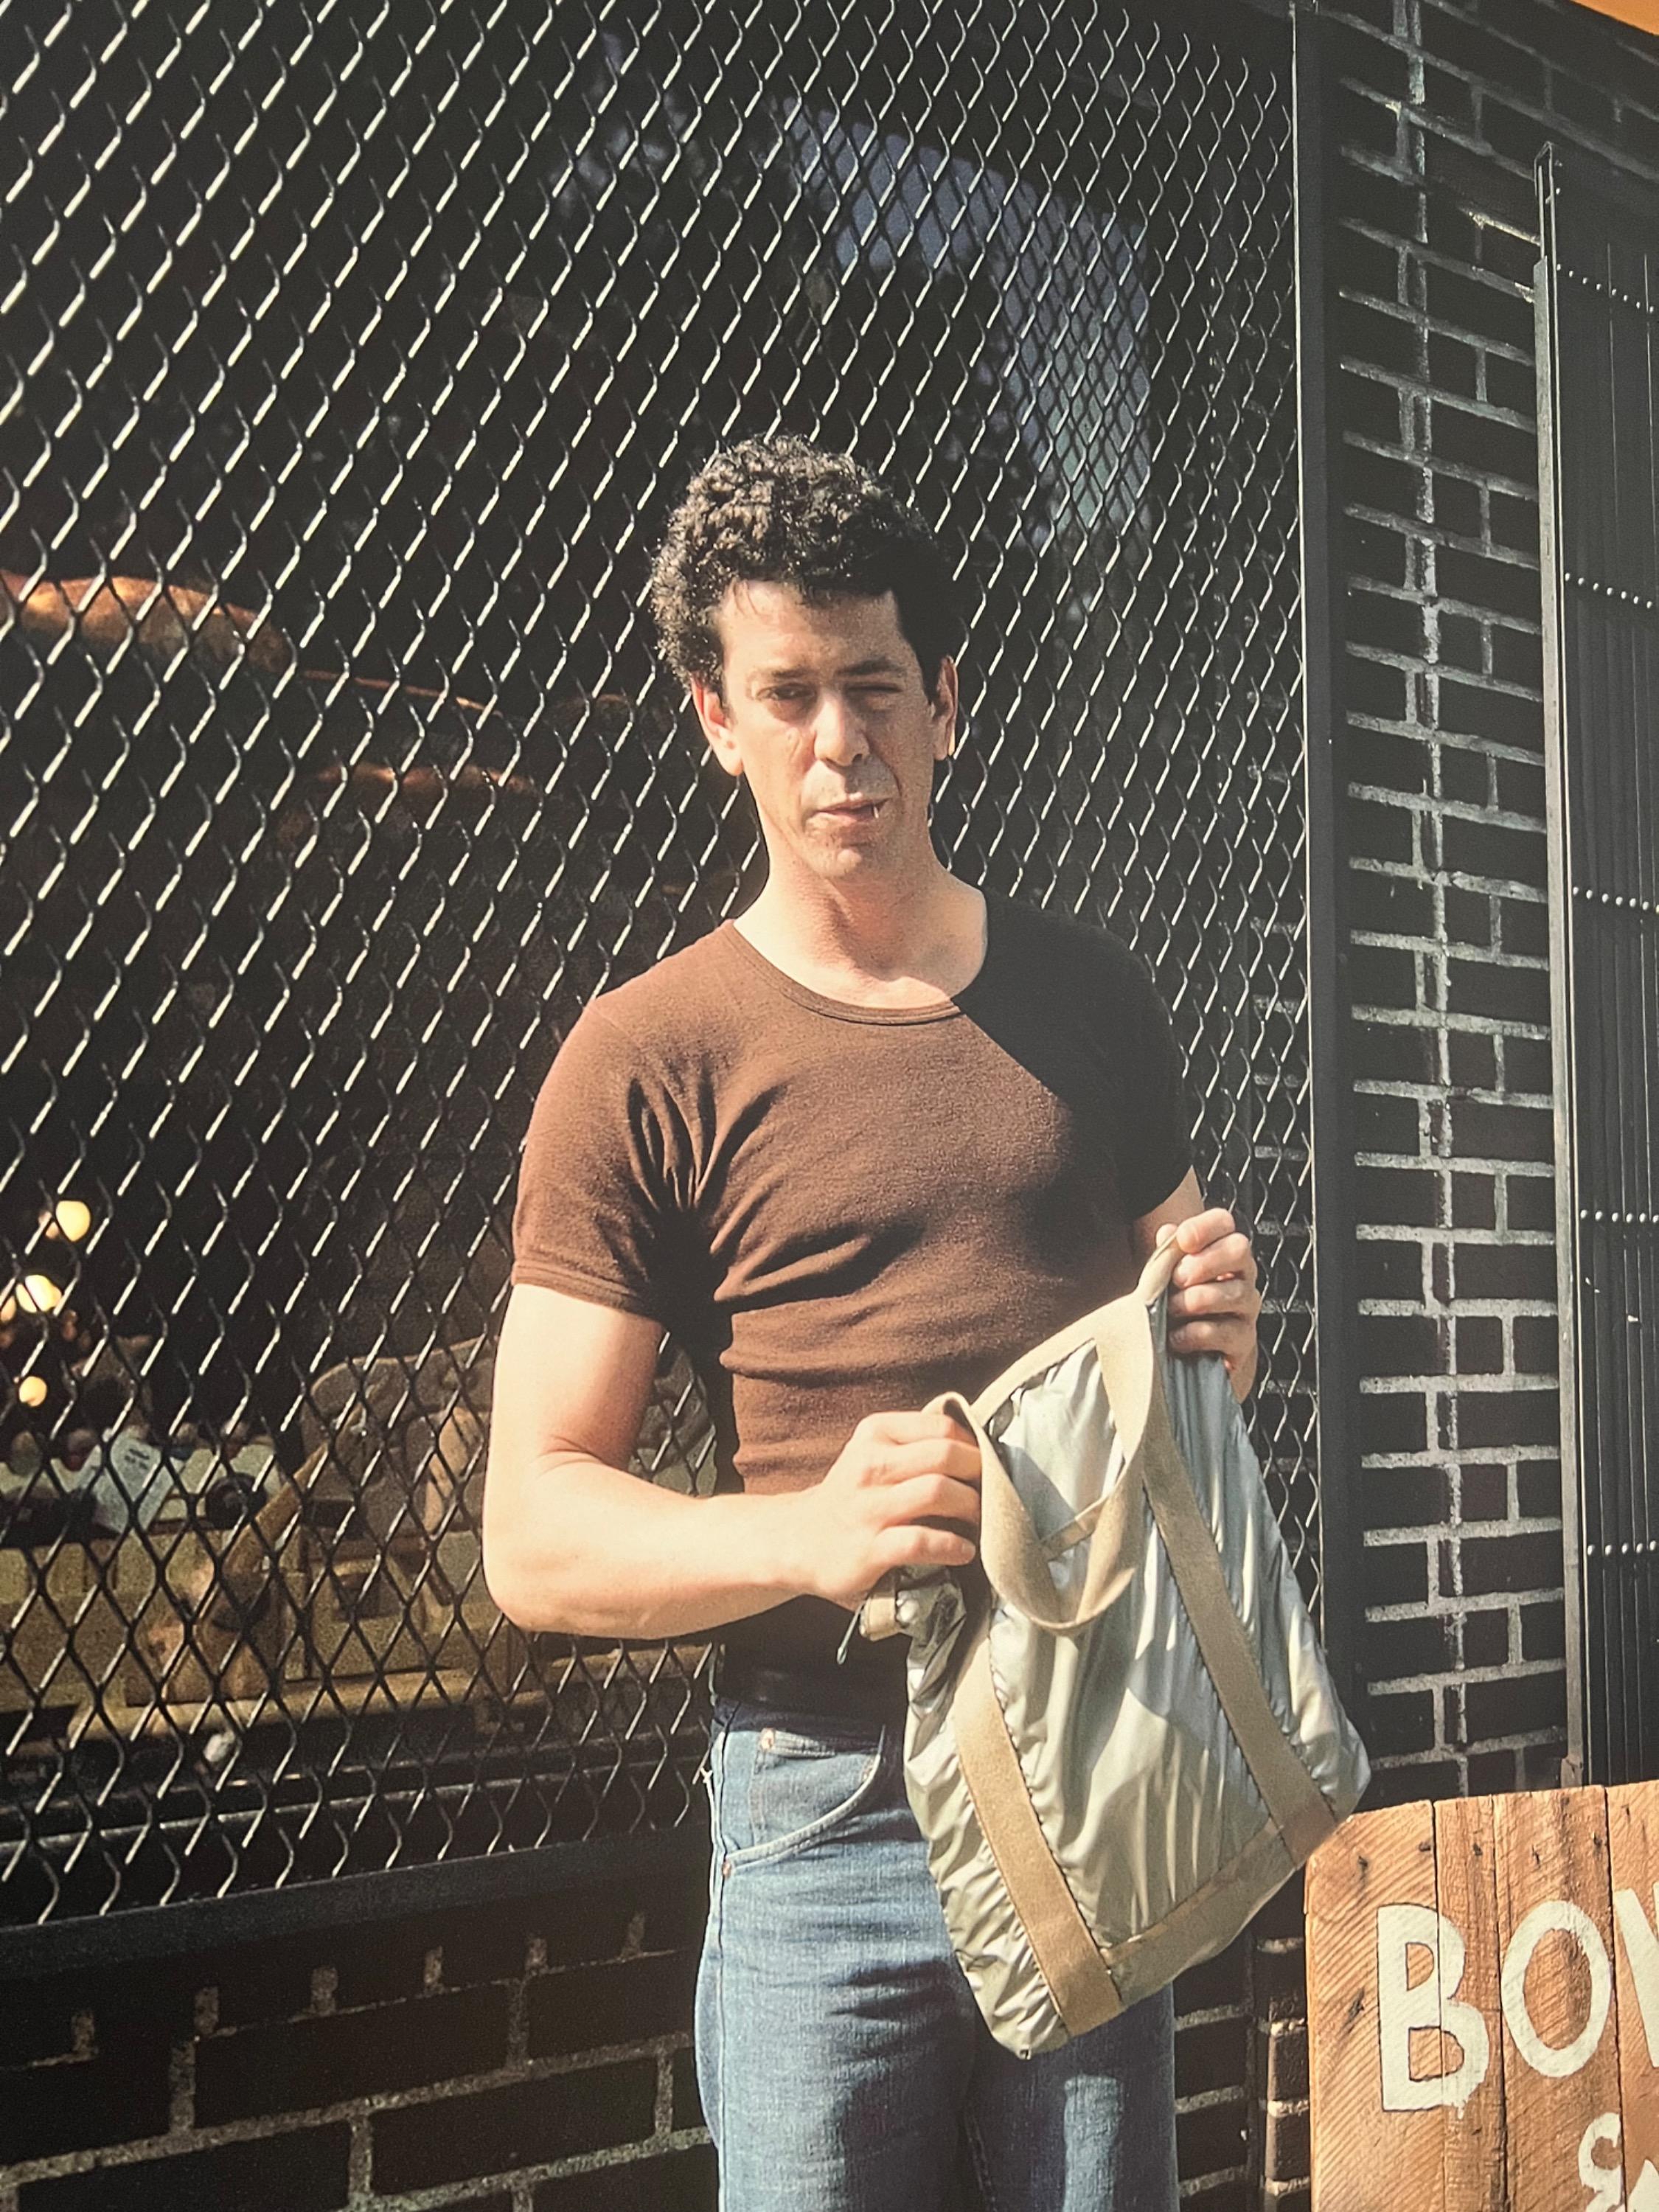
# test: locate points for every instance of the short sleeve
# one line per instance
(1155, 1145)
(595, 1215)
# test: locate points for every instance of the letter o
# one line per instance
(1556, 1915)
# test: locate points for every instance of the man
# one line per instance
(876, 1137)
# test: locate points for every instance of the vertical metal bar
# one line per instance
(1559, 822)
(1603, 766)
(1331, 1086)
(1631, 463)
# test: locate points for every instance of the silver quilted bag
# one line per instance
(1128, 1742)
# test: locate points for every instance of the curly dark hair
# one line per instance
(781, 511)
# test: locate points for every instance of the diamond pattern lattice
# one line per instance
(358, 357)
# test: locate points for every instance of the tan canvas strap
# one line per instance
(1067, 1956)
(1293, 1799)
(879, 1614)
(1013, 1556)
(1015, 1559)
(1158, 1273)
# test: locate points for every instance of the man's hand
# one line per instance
(1213, 1302)
(880, 1506)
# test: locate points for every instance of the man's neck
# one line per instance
(889, 946)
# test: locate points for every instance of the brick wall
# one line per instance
(517, 2057)
(1440, 108)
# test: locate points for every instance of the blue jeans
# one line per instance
(843, 2064)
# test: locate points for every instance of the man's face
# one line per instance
(822, 711)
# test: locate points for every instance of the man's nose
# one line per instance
(838, 733)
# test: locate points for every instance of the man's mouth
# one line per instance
(852, 809)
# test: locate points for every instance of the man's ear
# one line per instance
(945, 703)
(716, 725)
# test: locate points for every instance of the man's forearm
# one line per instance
(573, 1545)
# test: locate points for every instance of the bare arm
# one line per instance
(572, 1541)
(1215, 1302)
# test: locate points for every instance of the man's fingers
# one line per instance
(919, 1428)
(901, 1445)
(916, 1545)
(901, 1462)
(1230, 1337)
(1232, 1294)
(1228, 1256)
(934, 1497)
(1198, 1230)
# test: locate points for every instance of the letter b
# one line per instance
(1430, 2002)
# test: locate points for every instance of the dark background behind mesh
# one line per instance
(360, 360)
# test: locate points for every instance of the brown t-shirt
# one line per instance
(839, 1210)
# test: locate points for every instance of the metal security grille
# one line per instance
(357, 358)
(1598, 415)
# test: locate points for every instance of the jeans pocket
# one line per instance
(782, 1786)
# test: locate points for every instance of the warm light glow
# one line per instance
(71, 1217)
(32, 1390)
(39, 1294)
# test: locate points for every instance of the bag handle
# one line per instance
(1010, 1548)
(1292, 1797)
(1018, 1570)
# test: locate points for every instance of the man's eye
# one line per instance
(877, 695)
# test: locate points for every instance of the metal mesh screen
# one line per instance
(358, 358)
(1599, 279)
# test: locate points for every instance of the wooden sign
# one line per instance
(1643, 14)
(1483, 1996)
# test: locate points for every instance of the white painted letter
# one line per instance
(1641, 1950)
(1606, 2181)
(1555, 1913)
(1431, 2003)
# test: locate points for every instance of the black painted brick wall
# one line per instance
(514, 2057)
(1439, 109)
(1436, 111)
